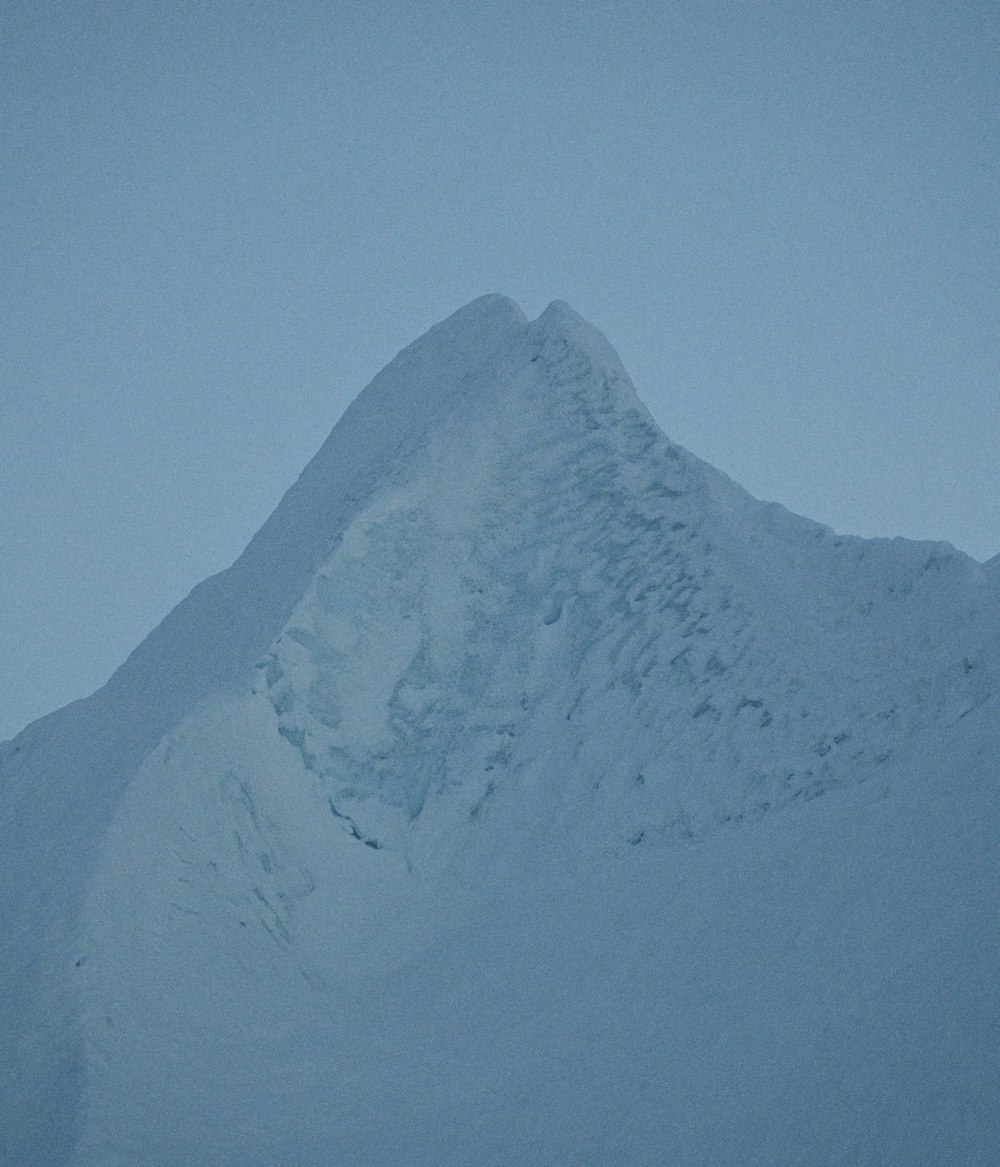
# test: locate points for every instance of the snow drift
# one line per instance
(526, 793)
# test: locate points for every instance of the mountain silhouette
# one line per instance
(526, 793)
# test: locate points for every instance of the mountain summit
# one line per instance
(526, 793)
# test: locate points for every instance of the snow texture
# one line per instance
(526, 793)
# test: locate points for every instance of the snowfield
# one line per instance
(526, 794)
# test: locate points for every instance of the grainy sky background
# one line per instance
(219, 220)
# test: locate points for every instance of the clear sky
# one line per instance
(219, 220)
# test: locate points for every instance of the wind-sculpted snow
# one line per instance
(475, 816)
(586, 592)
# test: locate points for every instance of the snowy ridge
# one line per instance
(476, 815)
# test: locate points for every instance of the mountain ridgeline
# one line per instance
(526, 793)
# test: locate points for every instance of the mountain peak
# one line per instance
(559, 312)
(493, 305)
(481, 326)
(389, 819)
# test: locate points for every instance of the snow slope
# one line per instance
(526, 793)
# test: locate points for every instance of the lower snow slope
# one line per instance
(815, 987)
(475, 816)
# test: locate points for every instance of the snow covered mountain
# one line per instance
(526, 793)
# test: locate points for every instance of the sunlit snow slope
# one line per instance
(527, 793)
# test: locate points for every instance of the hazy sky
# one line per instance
(219, 220)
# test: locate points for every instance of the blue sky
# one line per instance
(221, 219)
